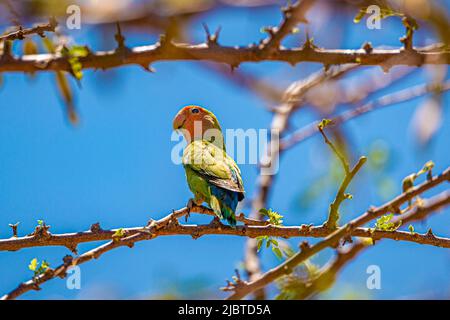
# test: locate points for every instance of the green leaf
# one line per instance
(33, 264)
(29, 47)
(348, 196)
(260, 242)
(78, 51)
(428, 166)
(49, 45)
(277, 252)
(73, 54)
(385, 12)
(120, 233)
(324, 123)
(288, 252)
(362, 12)
(274, 217)
(45, 265)
(411, 229)
(384, 223)
(408, 182)
(66, 93)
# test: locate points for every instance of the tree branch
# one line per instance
(233, 56)
(329, 273)
(245, 288)
(72, 240)
(387, 100)
(293, 14)
(127, 240)
(292, 101)
(170, 225)
(38, 29)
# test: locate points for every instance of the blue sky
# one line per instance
(115, 168)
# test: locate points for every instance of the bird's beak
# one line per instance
(179, 120)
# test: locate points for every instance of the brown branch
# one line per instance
(268, 50)
(72, 240)
(390, 99)
(170, 226)
(328, 274)
(333, 239)
(293, 14)
(233, 56)
(333, 215)
(38, 29)
(292, 101)
(68, 261)
(422, 210)
(42, 237)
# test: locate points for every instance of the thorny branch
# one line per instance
(250, 228)
(404, 95)
(233, 56)
(39, 29)
(68, 261)
(169, 225)
(293, 14)
(333, 239)
(328, 274)
(269, 49)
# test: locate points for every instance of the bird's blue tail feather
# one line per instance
(228, 201)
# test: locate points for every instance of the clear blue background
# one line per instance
(115, 168)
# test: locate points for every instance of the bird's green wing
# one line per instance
(213, 164)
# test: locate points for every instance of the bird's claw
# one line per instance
(189, 207)
(215, 222)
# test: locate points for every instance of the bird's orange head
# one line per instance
(198, 123)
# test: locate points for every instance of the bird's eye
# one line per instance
(195, 110)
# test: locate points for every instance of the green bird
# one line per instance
(212, 175)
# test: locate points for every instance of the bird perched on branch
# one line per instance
(212, 175)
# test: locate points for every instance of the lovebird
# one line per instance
(212, 175)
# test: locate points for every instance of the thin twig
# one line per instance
(39, 29)
(404, 95)
(333, 215)
(341, 158)
(293, 14)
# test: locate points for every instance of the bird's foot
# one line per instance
(189, 207)
(215, 222)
